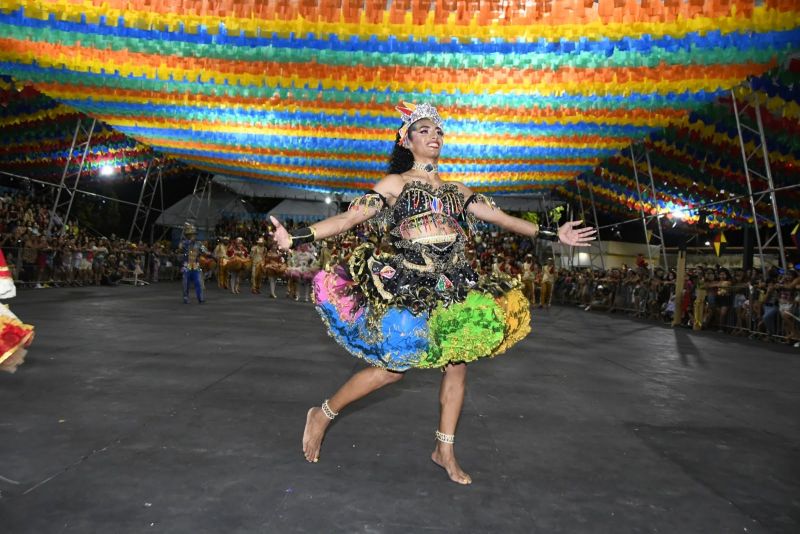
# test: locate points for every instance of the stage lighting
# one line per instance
(107, 170)
(328, 200)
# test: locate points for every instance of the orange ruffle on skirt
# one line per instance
(15, 337)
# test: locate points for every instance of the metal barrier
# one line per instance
(41, 268)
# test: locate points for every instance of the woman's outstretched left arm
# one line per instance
(567, 233)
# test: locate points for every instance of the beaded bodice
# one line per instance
(419, 197)
(427, 215)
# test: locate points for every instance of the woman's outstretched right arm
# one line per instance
(389, 187)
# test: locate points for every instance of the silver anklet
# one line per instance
(330, 414)
(445, 438)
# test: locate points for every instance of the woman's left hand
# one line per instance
(281, 236)
(576, 237)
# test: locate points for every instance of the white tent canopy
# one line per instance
(208, 212)
(256, 188)
(302, 210)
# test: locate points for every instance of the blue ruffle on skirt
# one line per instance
(402, 343)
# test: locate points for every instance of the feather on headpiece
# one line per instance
(411, 113)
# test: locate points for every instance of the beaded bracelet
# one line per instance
(305, 234)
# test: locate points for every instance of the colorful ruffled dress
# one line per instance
(15, 336)
(301, 264)
(274, 264)
(422, 306)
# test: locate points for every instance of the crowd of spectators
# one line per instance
(68, 255)
(735, 301)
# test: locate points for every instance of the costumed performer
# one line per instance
(424, 306)
(191, 250)
(221, 256)
(15, 336)
(257, 253)
(237, 264)
(274, 267)
(307, 269)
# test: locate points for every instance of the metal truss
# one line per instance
(640, 153)
(151, 188)
(596, 247)
(200, 195)
(766, 175)
(69, 180)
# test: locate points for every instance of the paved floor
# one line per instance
(136, 413)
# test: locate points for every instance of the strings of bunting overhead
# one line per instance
(37, 133)
(302, 93)
(697, 164)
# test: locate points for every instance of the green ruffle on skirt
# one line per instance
(464, 331)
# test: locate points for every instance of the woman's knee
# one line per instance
(456, 370)
(390, 377)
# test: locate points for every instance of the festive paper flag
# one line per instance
(719, 243)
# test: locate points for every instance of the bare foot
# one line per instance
(447, 461)
(316, 423)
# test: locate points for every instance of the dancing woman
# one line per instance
(423, 306)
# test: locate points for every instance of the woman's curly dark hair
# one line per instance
(402, 159)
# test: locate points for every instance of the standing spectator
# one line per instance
(769, 306)
(155, 261)
(787, 304)
(724, 298)
(100, 253)
(29, 254)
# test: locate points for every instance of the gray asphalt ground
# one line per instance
(137, 413)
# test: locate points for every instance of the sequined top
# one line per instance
(191, 250)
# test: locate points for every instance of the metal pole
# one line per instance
(749, 185)
(157, 188)
(52, 222)
(658, 220)
(580, 199)
(641, 206)
(594, 214)
(770, 184)
(80, 170)
(141, 196)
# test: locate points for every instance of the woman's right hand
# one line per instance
(281, 236)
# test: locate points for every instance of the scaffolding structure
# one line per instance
(639, 154)
(596, 247)
(151, 188)
(68, 186)
(766, 176)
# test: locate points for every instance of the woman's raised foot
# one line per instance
(316, 423)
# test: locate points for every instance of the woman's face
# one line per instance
(425, 139)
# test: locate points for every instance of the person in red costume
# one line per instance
(237, 264)
(15, 336)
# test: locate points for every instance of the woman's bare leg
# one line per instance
(359, 385)
(451, 399)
